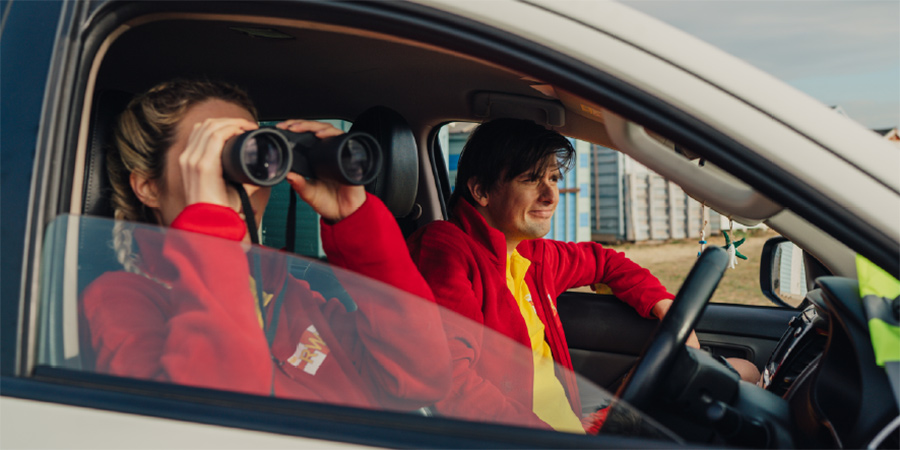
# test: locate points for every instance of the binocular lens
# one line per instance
(356, 160)
(262, 156)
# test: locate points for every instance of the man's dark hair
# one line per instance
(508, 148)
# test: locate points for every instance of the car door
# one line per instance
(606, 336)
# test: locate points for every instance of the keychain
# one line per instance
(731, 247)
(703, 229)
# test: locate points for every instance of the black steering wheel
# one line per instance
(642, 385)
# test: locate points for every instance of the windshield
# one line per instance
(200, 311)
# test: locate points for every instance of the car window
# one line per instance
(187, 312)
(610, 198)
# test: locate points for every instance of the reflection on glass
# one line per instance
(218, 314)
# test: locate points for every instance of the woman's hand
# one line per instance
(661, 308)
(201, 161)
(333, 200)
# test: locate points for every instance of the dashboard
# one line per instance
(824, 366)
(799, 349)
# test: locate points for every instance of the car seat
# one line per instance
(398, 182)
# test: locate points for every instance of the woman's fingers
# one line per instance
(320, 129)
(332, 200)
(201, 160)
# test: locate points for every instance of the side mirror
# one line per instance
(782, 273)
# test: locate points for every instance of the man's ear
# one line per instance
(145, 189)
(477, 191)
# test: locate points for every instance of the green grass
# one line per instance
(672, 260)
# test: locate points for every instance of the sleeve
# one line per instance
(450, 272)
(203, 331)
(406, 356)
(585, 263)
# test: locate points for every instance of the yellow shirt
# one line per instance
(267, 298)
(550, 402)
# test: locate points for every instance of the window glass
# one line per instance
(207, 312)
(610, 198)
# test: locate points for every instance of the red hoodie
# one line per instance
(464, 261)
(195, 323)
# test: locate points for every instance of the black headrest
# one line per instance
(398, 182)
(96, 197)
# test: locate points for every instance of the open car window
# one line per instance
(187, 312)
(610, 198)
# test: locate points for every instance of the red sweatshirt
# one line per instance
(464, 261)
(196, 323)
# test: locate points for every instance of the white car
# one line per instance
(732, 137)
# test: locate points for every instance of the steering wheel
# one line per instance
(671, 334)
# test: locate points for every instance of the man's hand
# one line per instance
(661, 308)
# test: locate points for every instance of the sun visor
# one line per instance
(493, 105)
(707, 184)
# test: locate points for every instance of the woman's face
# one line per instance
(171, 196)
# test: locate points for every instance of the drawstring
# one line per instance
(248, 213)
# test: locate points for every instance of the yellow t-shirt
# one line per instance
(550, 402)
(267, 298)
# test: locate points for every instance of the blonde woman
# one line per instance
(187, 310)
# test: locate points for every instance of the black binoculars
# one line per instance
(265, 156)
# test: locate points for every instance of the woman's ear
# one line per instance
(477, 191)
(145, 189)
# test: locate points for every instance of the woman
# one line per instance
(187, 310)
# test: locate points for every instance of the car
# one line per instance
(731, 137)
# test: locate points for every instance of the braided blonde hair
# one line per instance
(143, 135)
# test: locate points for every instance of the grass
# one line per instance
(671, 261)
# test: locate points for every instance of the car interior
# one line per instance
(402, 83)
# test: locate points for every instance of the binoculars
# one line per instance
(265, 156)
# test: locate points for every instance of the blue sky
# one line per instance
(843, 52)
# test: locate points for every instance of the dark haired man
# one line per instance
(490, 264)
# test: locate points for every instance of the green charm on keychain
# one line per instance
(731, 248)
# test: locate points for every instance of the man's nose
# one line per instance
(549, 192)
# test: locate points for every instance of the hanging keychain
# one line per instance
(703, 229)
(731, 247)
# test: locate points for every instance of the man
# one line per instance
(490, 264)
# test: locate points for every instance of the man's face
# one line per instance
(523, 207)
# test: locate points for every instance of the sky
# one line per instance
(842, 52)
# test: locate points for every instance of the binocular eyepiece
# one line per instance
(265, 156)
